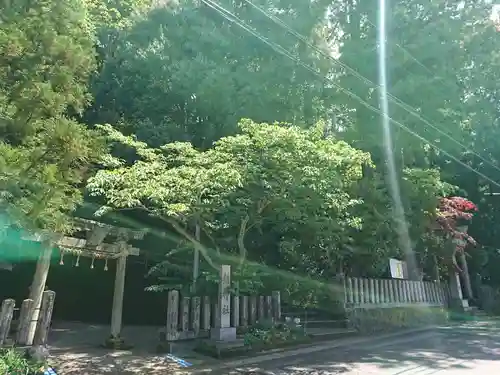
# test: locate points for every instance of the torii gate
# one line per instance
(91, 246)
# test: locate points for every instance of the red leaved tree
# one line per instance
(454, 212)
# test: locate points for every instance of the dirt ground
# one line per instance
(75, 350)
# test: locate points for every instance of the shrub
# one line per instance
(13, 362)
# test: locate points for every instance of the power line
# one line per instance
(277, 48)
(408, 108)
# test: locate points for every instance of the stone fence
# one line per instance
(382, 304)
(193, 317)
(15, 331)
(390, 292)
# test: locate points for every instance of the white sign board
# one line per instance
(398, 269)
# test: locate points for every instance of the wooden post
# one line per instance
(43, 327)
(37, 288)
(6, 314)
(117, 311)
(24, 322)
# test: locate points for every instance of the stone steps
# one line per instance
(328, 323)
(326, 334)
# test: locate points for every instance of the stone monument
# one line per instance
(223, 330)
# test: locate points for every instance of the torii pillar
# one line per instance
(123, 250)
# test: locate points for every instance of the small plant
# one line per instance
(267, 333)
(13, 362)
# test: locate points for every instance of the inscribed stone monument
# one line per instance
(223, 330)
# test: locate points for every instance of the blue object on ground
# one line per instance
(178, 360)
(49, 371)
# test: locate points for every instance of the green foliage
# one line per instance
(185, 73)
(13, 362)
(269, 334)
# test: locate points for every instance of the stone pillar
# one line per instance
(361, 291)
(371, 287)
(367, 290)
(385, 292)
(397, 291)
(244, 311)
(224, 331)
(355, 291)
(268, 307)
(437, 275)
(426, 298)
(432, 292)
(117, 310)
(195, 315)
(205, 318)
(418, 285)
(260, 309)
(24, 321)
(215, 308)
(413, 291)
(252, 310)
(45, 317)
(457, 298)
(6, 314)
(408, 291)
(391, 291)
(436, 293)
(276, 302)
(377, 291)
(350, 293)
(185, 314)
(235, 311)
(466, 276)
(404, 294)
(172, 331)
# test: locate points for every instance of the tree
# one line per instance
(48, 54)
(447, 97)
(274, 195)
(160, 78)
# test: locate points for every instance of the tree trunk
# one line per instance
(196, 257)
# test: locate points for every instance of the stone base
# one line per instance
(223, 333)
(117, 343)
(459, 304)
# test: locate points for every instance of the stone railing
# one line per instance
(192, 317)
(387, 304)
(360, 292)
(16, 331)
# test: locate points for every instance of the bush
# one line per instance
(268, 334)
(13, 362)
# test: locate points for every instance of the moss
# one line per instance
(220, 352)
(387, 319)
(116, 343)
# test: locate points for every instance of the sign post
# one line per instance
(399, 269)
